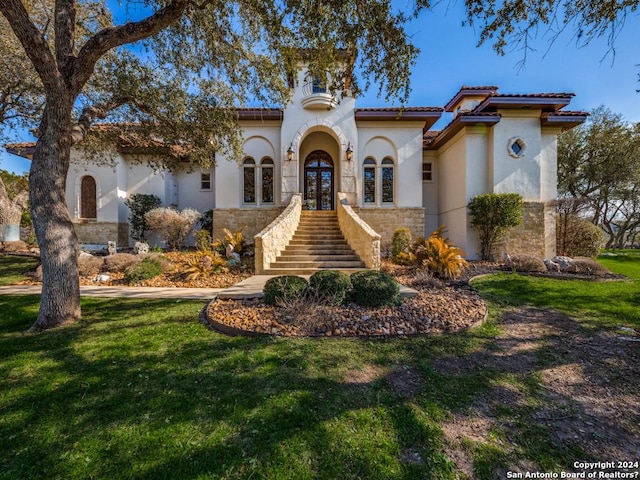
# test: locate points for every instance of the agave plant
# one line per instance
(203, 265)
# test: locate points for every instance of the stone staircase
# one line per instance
(317, 244)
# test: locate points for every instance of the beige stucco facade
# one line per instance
(389, 164)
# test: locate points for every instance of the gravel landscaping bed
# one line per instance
(438, 307)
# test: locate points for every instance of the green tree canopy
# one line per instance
(599, 164)
(174, 72)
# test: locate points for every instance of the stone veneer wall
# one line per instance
(536, 235)
(386, 220)
(360, 236)
(102, 232)
(276, 236)
(250, 220)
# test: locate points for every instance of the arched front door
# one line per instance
(318, 181)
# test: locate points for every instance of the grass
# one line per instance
(139, 389)
(596, 304)
(13, 267)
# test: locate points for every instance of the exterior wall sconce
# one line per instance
(349, 152)
(290, 153)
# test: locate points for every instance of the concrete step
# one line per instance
(319, 258)
(318, 236)
(311, 265)
(317, 241)
(317, 249)
(319, 225)
(307, 271)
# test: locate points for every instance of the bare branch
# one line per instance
(65, 25)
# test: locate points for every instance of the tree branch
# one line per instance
(65, 26)
(33, 43)
(99, 112)
(109, 38)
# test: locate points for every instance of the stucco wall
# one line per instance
(520, 175)
(452, 197)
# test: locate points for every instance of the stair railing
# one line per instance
(360, 236)
(275, 237)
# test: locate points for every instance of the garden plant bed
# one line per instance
(438, 307)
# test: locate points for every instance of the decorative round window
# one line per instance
(516, 147)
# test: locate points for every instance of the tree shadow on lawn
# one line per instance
(203, 404)
(165, 398)
(546, 394)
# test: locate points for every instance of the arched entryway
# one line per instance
(319, 181)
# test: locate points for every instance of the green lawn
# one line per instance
(12, 268)
(139, 389)
(597, 304)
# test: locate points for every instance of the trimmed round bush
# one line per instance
(371, 288)
(148, 268)
(284, 289)
(331, 286)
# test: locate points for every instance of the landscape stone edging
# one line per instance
(211, 324)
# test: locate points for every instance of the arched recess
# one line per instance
(88, 198)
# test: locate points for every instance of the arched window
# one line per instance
(369, 183)
(249, 180)
(267, 180)
(88, 198)
(387, 180)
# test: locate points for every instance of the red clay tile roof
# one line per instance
(467, 90)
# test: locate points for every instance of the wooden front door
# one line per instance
(318, 181)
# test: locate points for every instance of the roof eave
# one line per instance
(458, 124)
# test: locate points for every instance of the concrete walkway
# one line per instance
(252, 288)
(248, 288)
(124, 292)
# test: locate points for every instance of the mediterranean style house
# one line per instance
(385, 167)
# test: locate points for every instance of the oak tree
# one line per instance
(174, 71)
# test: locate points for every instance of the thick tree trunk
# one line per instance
(60, 302)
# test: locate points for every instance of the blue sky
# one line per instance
(449, 59)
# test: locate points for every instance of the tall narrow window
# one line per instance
(267, 180)
(249, 181)
(205, 181)
(387, 180)
(88, 200)
(369, 175)
(427, 172)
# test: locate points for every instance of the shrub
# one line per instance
(526, 263)
(139, 205)
(330, 286)
(89, 266)
(206, 221)
(371, 288)
(284, 289)
(203, 265)
(119, 262)
(404, 258)
(400, 243)
(492, 214)
(576, 236)
(587, 266)
(172, 226)
(147, 268)
(203, 240)
(440, 256)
